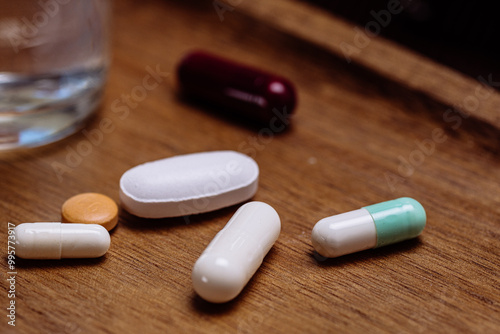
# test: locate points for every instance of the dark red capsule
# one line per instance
(240, 90)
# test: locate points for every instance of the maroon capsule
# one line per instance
(238, 89)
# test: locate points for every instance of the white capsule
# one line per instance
(236, 252)
(188, 184)
(373, 226)
(57, 241)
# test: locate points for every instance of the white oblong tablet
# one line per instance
(60, 241)
(188, 184)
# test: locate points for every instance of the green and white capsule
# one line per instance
(369, 227)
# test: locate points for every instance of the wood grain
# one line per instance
(351, 132)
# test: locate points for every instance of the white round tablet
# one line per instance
(188, 184)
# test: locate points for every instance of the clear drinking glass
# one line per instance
(53, 63)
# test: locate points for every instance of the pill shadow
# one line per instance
(62, 263)
(366, 255)
(233, 117)
(191, 5)
(202, 306)
(130, 221)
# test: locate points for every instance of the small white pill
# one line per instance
(58, 241)
(188, 184)
(236, 252)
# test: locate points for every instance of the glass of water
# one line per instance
(53, 63)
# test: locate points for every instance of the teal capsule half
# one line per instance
(397, 220)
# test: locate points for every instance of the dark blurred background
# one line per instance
(460, 34)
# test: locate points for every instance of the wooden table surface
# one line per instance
(357, 138)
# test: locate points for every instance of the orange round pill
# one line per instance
(90, 208)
